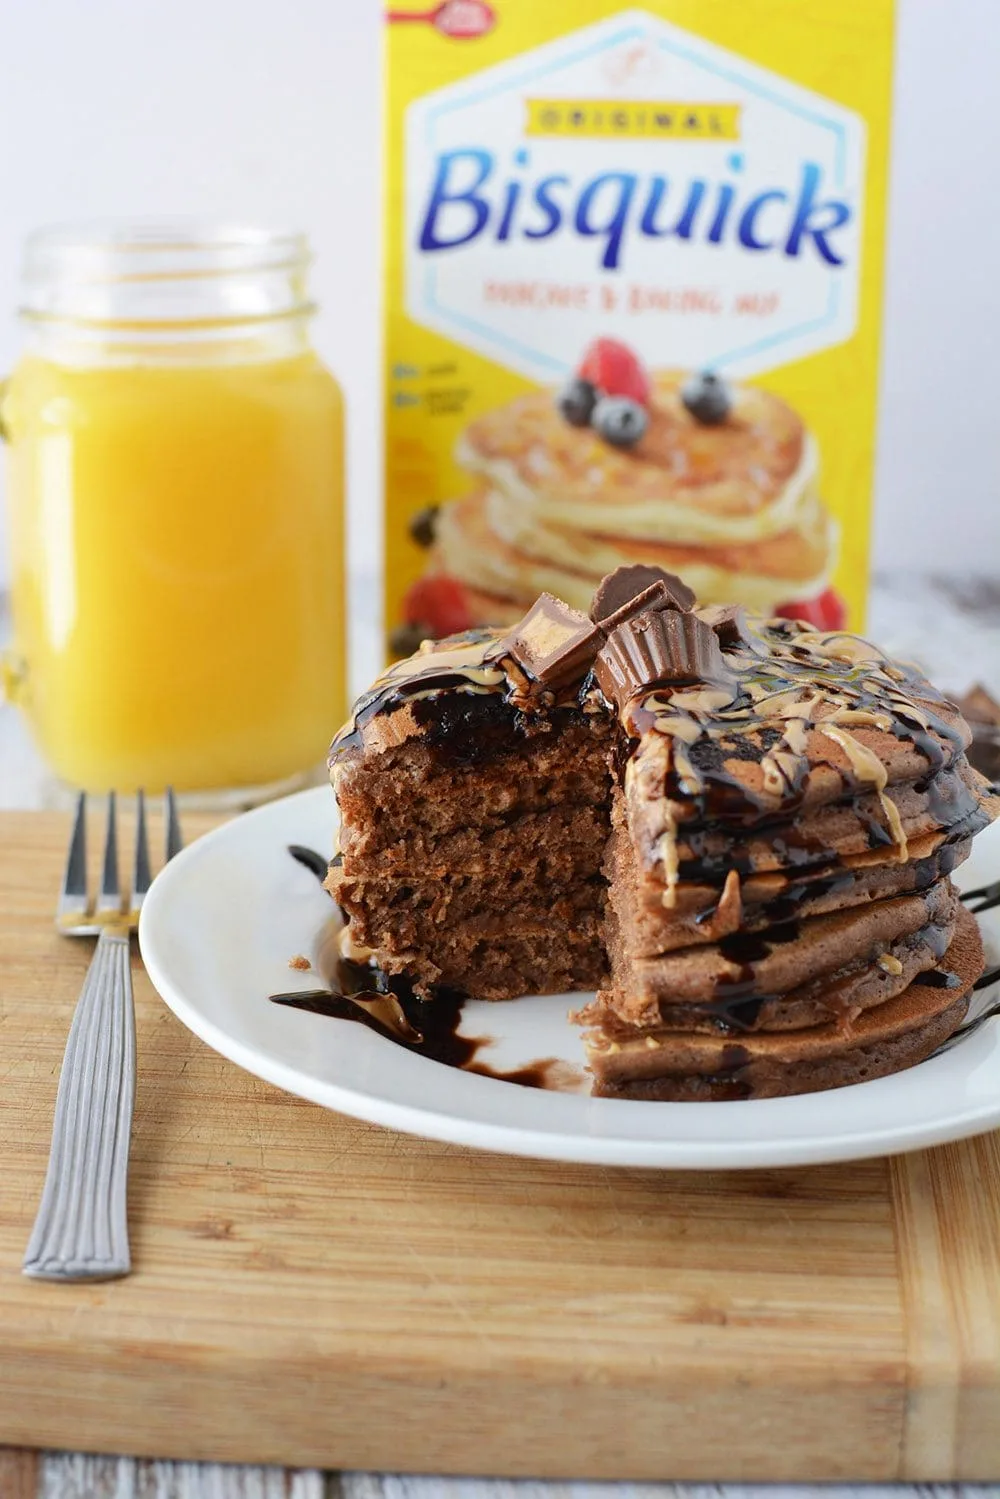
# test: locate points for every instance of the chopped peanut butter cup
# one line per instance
(636, 589)
(553, 644)
(656, 649)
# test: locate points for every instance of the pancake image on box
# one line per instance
(737, 829)
(716, 481)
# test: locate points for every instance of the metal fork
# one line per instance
(81, 1231)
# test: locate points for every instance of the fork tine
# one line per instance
(73, 896)
(111, 895)
(141, 875)
(174, 841)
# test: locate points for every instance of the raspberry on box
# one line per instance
(438, 603)
(615, 370)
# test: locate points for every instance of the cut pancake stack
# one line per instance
(739, 829)
(780, 913)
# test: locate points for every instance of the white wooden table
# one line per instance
(952, 626)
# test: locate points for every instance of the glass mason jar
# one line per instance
(176, 506)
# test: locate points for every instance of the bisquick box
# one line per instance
(633, 287)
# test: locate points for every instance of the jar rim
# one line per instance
(163, 271)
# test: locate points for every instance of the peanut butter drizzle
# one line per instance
(799, 682)
(869, 770)
(671, 860)
(452, 666)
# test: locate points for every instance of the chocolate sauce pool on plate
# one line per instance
(386, 1004)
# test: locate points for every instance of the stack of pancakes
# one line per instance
(741, 829)
(734, 507)
(780, 914)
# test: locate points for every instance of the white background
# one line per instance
(270, 111)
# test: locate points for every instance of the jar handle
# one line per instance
(12, 668)
(13, 679)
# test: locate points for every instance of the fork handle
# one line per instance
(81, 1231)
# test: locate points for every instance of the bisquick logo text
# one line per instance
(471, 199)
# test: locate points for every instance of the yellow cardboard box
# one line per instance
(633, 294)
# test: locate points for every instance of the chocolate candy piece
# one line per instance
(729, 621)
(651, 650)
(977, 706)
(553, 644)
(633, 589)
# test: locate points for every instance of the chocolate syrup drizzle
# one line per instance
(455, 665)
(938, 978)
(986, 898)
(790, 682)
(310, 859)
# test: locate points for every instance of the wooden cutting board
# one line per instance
(313, 1291)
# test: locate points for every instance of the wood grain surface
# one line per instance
(313, 1291)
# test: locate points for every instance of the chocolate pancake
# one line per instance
(751, 904)
(777, 959)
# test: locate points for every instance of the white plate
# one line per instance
(222, 920)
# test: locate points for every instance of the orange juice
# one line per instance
(177, 551)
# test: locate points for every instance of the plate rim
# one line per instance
(578, 1147)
